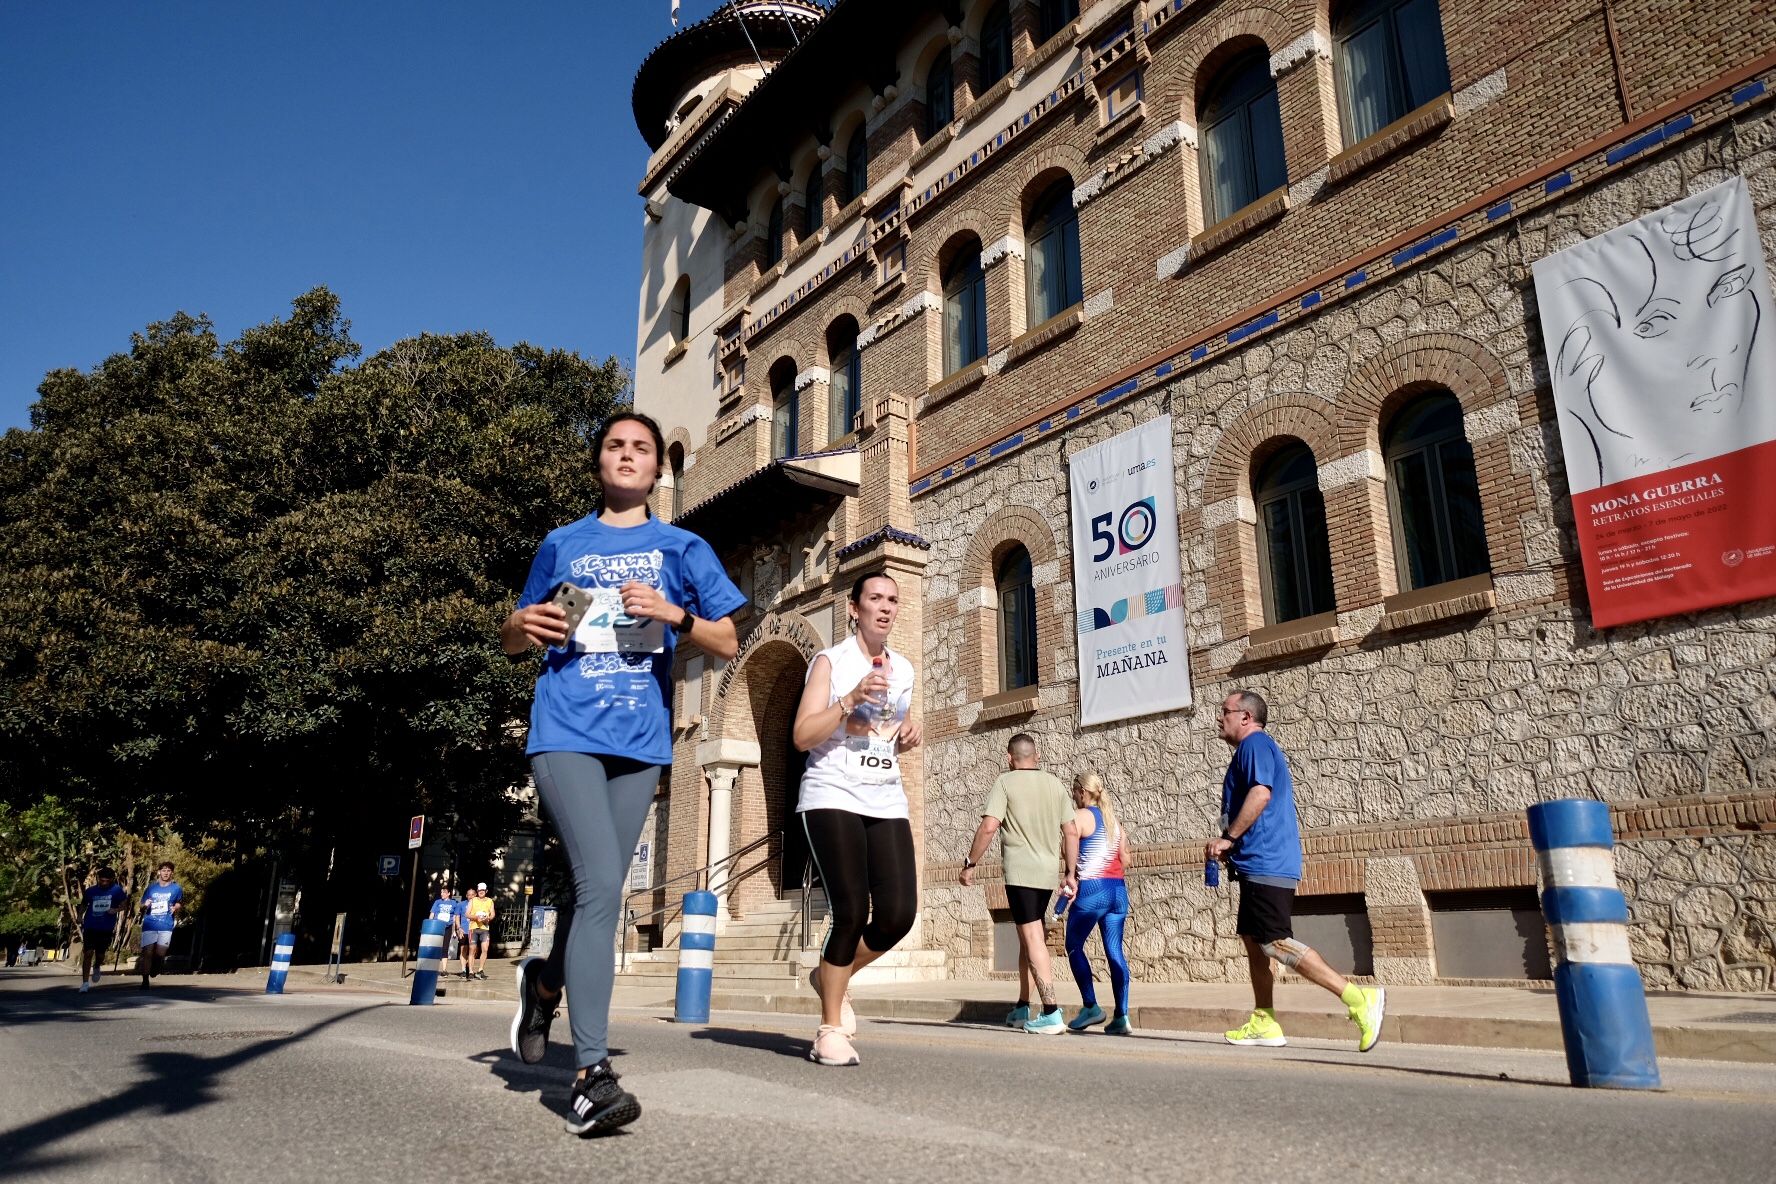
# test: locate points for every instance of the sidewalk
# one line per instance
(1719, 1027)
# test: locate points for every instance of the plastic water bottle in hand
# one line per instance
(1212, 872)
(1062, 901)
(869, 708)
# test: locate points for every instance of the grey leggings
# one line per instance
(598, 805)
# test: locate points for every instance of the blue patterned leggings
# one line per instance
(1104, 905)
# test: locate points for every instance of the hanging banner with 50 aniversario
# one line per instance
(1659, 346)
(1133, 659)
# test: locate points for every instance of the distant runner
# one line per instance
(99, 906)
(161, 905)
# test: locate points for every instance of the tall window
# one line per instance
(1390, 60)
(774, 235)
(1016, 586)
(1056, 14)
(675, 459)
(785, 425)
(1439, 532)
(1296, 566)
(1242, 136)
(1051, 248)
(964, 307)
(815, 200)
(678, 310)
(995, 45)
(845, 394)
(940, 95)
(856, 165)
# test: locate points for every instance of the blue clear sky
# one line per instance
(442, 165)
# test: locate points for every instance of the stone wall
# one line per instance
(1423, 741)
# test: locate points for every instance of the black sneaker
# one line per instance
(600, 1105)
(530, 1027)
(481, 974)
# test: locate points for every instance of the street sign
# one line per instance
(388, 865)
(415, 832)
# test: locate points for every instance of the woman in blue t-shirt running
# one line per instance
(599, 729)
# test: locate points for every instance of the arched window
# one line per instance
(844, 395)
(1056, 15)
(1016, 586)
(1390, 60)
(1439, 531)
(1051, 249)
(785, 417)
(995, 45)
(678, 310)
(940, 95)
(1296, 562)
(675, 460)
(856, 165)
(964, 307)
(1242, 136)
(815, 200)
(774, 235)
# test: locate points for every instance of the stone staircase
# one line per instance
(761, 954)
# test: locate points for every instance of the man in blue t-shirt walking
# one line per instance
(160, 909)
(99, 906)
(1261, 840)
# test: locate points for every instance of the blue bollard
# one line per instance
(280, 963)
(1603, 1010)
(430, 962)
(696, 959)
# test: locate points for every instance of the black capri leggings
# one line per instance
(867, 867)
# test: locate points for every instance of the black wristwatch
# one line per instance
(967, 863)
(684, 626)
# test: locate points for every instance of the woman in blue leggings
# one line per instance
(599, 733)
(1100, 901)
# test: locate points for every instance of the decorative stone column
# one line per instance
(722, 760)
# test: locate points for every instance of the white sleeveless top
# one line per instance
(857, 768)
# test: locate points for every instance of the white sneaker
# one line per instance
(85, 986)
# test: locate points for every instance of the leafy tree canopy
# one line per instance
(252, 589)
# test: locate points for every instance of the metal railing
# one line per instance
(702, 877)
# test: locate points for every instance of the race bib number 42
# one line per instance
(606, 629)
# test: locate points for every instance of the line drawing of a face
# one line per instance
(1661, 360)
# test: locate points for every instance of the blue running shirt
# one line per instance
(157, 906)
(616, 703)
(100, 907)
(1270, 852)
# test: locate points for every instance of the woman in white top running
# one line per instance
(853, 724)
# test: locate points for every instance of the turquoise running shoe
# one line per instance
(1089, 1017)
(1050, 1024)
(1018, 1016)
(1119, 1026)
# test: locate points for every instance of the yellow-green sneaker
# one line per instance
(1261, 1029)
(1367, 1016)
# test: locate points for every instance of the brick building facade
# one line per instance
(960, 240)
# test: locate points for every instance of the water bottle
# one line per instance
(1061, 903)
(868, 709)
(1212, 872)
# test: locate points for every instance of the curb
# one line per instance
(1679, 1041)
(1704, 1042)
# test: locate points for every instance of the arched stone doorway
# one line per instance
(754, 709)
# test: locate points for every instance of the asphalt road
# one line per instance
(195, 1083)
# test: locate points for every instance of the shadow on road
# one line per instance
(777, 1042)
(57, 999)
(1416, 1071)
(176, 1083)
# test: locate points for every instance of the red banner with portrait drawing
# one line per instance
(1664, 377)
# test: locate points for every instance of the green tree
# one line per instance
(252, 590)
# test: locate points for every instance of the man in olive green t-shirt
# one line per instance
(1030, 810)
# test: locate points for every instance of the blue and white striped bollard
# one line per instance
(696, 959)
(1603, 1010)
(280, 963)
(430, 962)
